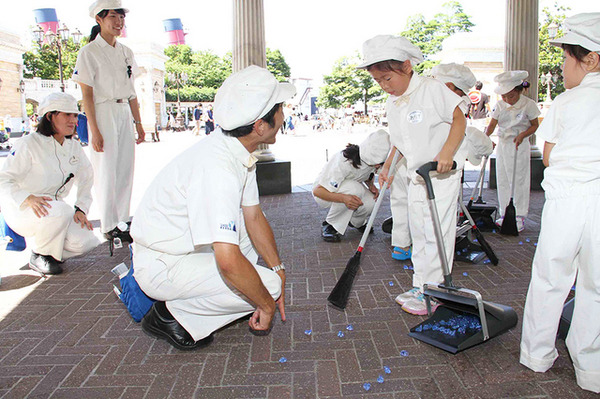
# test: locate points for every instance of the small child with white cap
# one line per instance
(517, 118)
(426, 124)
(568, 246)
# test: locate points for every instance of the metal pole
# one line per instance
(60, 65)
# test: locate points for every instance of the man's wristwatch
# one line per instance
(279, 267)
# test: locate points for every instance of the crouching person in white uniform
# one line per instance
(199, 227)
(346, 185)
(37, 176)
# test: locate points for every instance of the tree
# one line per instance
(43, 62)
(277, 66)
(551, 57)
(429, 35)
(347, 85)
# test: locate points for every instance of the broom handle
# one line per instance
(365, 235)
(512, 189)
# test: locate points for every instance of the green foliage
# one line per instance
(429, 35)
(277, 66)
(43, 62)
(551, 57)
(347, 85)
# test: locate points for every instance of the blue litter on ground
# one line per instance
(340, 334)
(366, 386)
(493, 231)
(387, 370)
(520, 242)
(308, 332)
(282, 360)
(404, 353)
(486, 261)
(350, 327)
(573, 288)
(380, 379)
(457, 325)
(391, 283)
(405, 267)
(527, 240)
(465, 274)
(475, 240)
(535, 244)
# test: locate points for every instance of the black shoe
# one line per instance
(362, 228)
(330, 234)
(117, 233)
(159, 323)
(44, 264)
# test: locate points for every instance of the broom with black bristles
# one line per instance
(509, 223)
(340, 293)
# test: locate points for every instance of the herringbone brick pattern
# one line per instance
(72, 338)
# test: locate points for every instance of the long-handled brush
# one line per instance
(340, 293)
(509, 223)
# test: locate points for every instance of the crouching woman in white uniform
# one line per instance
(106, 70)
(346, 185)
(569, 244)
(199, 228)
(37, 176)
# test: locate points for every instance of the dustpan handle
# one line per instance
(424, 171)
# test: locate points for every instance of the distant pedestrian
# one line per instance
(197, 119)
(210, 122)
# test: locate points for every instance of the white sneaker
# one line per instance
(520, 223)
(407, 296)
(418, 305)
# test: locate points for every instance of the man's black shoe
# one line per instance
(117, 233)
(362, 228)
(44, 264)
(330, 234)
(159, 323)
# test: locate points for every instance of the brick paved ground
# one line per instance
(72, 338)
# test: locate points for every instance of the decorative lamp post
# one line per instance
(552, 30)
(59, 40)
(21, 88)
(547, 80)
(180, 79)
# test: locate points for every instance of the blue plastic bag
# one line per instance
(18, 242)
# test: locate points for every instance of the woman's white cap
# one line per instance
(389, 47)
(62, 102)
(509, 80)
(248, 95)
(583, 30)
(100, 5)
(374, 150)
(459, 75)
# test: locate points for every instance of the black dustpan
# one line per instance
(463, 319)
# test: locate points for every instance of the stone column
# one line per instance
(522, 46)
(249, 46)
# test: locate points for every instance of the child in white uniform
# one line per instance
(426, 124)
(569, 245)
(341, 185)
(106, 70)
(517, 118)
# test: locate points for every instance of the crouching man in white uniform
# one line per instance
(199, 226)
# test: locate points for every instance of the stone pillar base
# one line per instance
(274, 177)
(537, 173)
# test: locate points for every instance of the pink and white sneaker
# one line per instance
(408, 295)
(418, 306)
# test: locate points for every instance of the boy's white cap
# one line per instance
(389, 47)
(248, 95)
(62, 102)
(374, 150)
(509, 80)
(582, 29)
(478, 145)
(100, 5)
(459, 75)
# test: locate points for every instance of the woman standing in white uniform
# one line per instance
(517, 118)
(37, 176)
(569, 245)
(105, 70)
(341, 185)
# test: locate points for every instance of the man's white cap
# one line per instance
(582, 29)
(248, 95)
(376, 147)
(100, 5)
(389, 47)
(478, 145)
(62, 102)
(459, 75)
(509, 80)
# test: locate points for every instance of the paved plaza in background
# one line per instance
(68, 336)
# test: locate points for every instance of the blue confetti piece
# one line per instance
(475, 240)
(308, 332)
(527, 240)
(380, 379)
(340, 334)
(405, 267)
(391, 283)
(366, 386)
(350, 327)
(404, 353)
(535, 244)
(494, 231)
(387, 370)
(465, 274)
(282, 360)
(411, 268)
(520, 242)
(573, 288)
